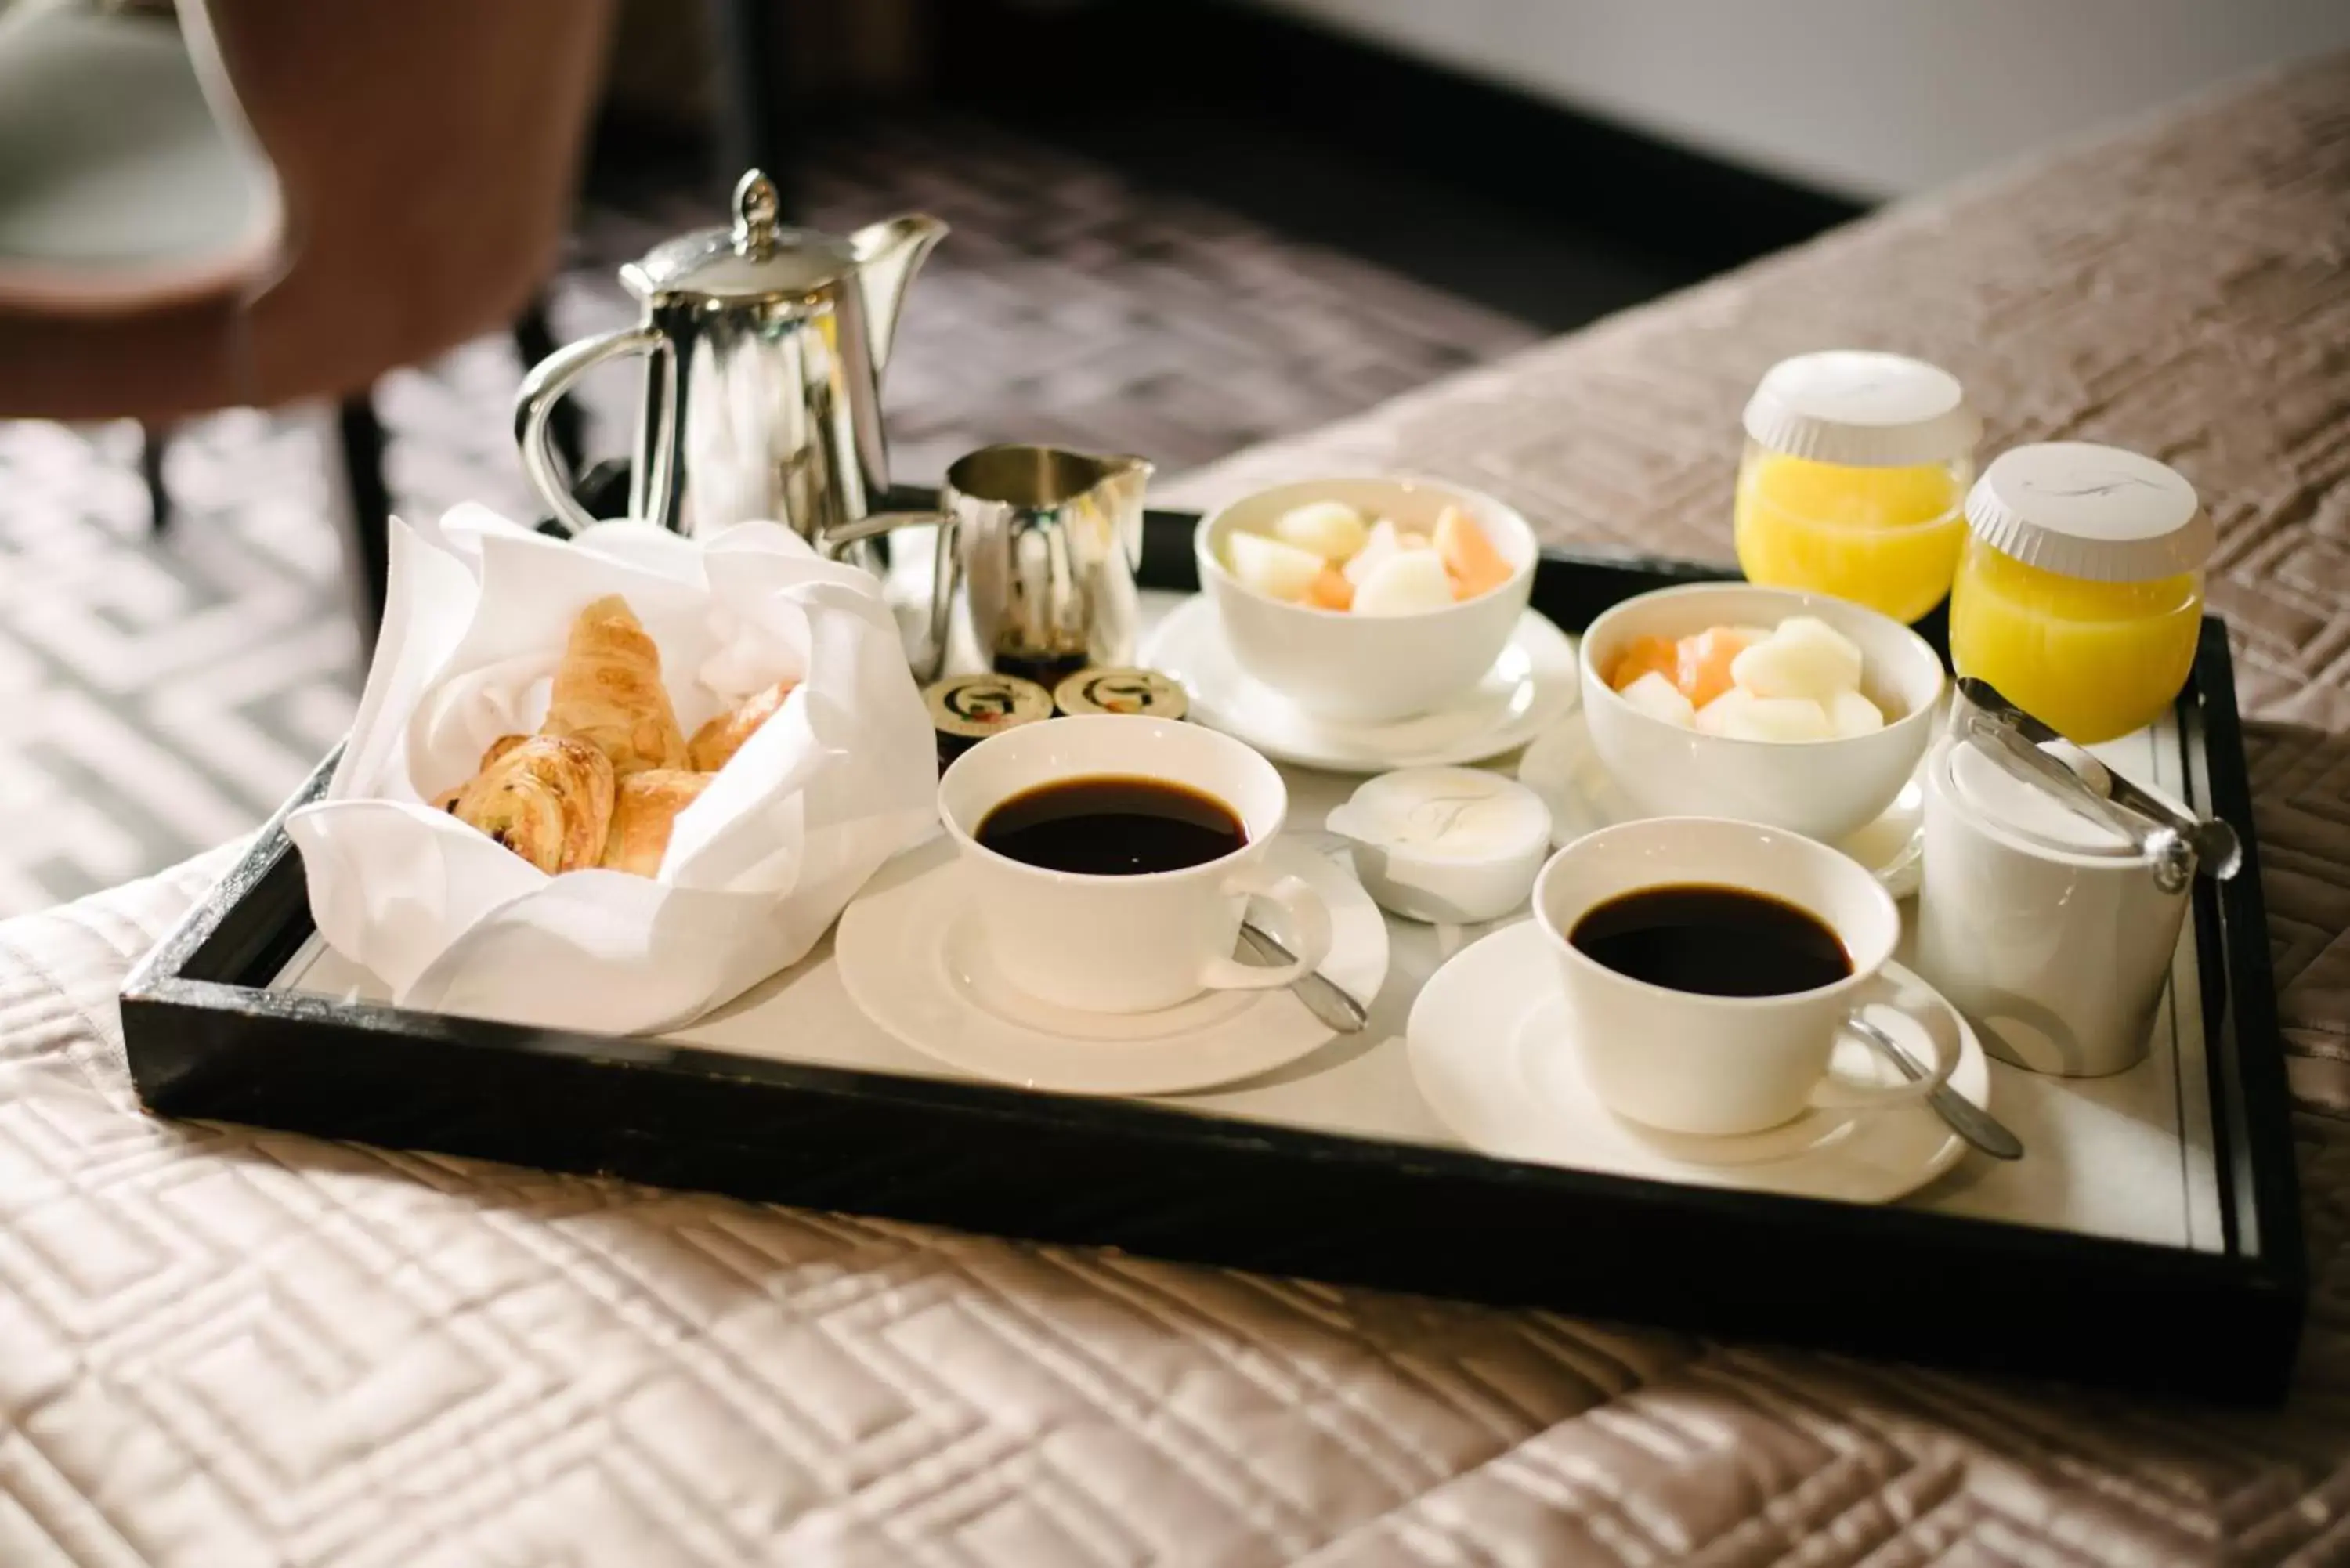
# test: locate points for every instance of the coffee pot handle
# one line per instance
(546, 386)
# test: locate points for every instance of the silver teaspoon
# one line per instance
(1965, 1117)
(1322, 996)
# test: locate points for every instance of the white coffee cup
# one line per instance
(1717, 1065)
(1128, 943)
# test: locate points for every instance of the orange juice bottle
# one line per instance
(2080, 591)
(1856, 467)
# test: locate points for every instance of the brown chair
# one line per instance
(353, 186)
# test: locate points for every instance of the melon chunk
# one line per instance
(1410, 582)
(1380, 544)
(1655, 695)
(1805, 656)
(1269, 567)
(1850, 713)
(1476, 567)
(1702, 667)
(1331, 529)
(1659, 654)
(1715, 717)
(1330, 590)
(1779, 719)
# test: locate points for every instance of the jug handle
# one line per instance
(946, 573)
(545, 386)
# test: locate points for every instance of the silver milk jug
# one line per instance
(764, 350)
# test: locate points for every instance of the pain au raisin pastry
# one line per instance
(715, 743)
(548, 798)
(447, 799)
(645, 808)
(608, 691)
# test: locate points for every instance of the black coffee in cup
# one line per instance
(1112, 825)
(1713, 940)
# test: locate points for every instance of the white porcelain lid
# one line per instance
(1862, 408)
(1446, 813)
(2030, 810)
(2098, 512)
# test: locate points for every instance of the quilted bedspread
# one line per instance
(221, 1345)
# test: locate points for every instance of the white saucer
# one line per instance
(1487, 1046)
(1563, 767)
(913, 960)
(1529, 687)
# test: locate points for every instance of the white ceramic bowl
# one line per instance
(1333, 664)
(1823, 789)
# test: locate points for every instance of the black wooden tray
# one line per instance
(207, 1038)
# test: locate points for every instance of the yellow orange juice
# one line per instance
(1885, 538)
(2092, 660)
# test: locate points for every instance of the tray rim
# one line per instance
(203, 991)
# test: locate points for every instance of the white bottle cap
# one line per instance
(1863, 410)
(2091, 512)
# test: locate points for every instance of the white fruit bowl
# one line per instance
(1823, 789)
(1335, 664)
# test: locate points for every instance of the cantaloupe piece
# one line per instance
(1476, 567)
(1702, 668)
(1330, 590)
(1658, 654)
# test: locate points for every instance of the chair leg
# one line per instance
(366, 542)
(535, 340)
(153, 440)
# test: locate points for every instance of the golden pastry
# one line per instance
(447, 799)
(644, 809)
(608, 691)
(715, 743)
(549, 799)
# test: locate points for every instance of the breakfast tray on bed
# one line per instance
(2151, 1238)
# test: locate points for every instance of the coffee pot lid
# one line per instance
(756, 258)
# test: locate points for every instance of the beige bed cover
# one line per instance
(221, 1345)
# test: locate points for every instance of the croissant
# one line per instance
(715, 743)
(644, 809)
(447, 799)
(608, 691)
(548, 798)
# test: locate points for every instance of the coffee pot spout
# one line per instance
(889, 254)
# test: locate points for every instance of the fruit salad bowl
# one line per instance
(1403, 646)
(1825, 788)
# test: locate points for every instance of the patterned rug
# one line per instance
(167, 694)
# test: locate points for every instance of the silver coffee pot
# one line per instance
(764, 350)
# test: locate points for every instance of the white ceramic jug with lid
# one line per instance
(2053, 932)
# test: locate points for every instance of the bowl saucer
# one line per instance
(1564, 768)
(1529, 687)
